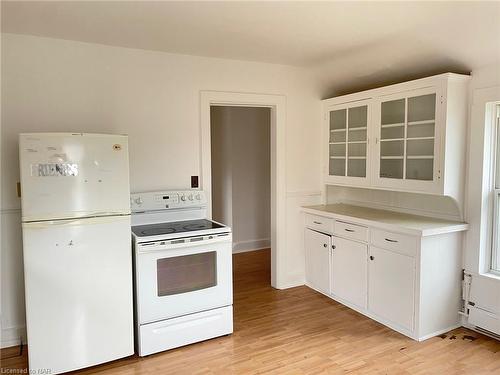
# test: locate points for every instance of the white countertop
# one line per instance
(389, 220)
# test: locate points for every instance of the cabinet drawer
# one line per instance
(319, 223)
(397, 242)
(354, 231)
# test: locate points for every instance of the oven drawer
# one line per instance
(352, 231)
(319, 223)
(172, 333)
(400, 243)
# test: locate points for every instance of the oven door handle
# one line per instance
(154, 246)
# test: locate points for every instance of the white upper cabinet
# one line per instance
(406, 147)
(408, 137)
(348, 142)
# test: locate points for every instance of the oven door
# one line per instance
(175, 279)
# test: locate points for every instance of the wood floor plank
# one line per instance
(299, 331)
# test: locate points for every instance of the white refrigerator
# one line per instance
(77, 249)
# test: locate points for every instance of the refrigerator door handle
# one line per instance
(68, 222)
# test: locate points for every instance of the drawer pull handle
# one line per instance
(325, 245)
(372, 257)
(317, 222)
(333, 247)
(389, 240)
(349, 230)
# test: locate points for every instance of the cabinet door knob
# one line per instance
(325, 245)
(334, 247)
(372, 257)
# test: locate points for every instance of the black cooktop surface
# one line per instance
(174, 227)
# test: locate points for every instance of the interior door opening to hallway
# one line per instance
(241, 174)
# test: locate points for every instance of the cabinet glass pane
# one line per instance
(337, 167)
(419, 169)
(391, 168)
(337, 136)
(420, 130)
(338, 119)
(337, 150)
(420, 147)
(356, 167)
(357, 135)
(348, 141)
(358, 117)
(421, 108)
(393, 132)
(392, 148)
(412, 156)
(393, 112)
(357, 149)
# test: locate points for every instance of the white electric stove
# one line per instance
(183, 271)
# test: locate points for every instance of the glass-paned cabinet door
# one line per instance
(408, 137)
(348, 137)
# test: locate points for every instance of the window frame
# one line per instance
(494, 259)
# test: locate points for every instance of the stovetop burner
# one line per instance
(174, 227)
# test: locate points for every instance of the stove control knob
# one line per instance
(138, 200)
(198, 197)
(190, 197)
(183, 198)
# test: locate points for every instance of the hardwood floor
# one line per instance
(299, 331)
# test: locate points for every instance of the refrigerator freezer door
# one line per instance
(65, 175)
(78, 283)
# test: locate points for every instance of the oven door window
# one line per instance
(186, 273)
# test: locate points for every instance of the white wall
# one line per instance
(58, 85)
(241, 157)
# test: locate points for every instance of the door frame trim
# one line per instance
(277, 104)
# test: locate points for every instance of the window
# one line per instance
(495, 261)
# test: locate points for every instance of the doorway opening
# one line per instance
(241, 185)
(276, 104)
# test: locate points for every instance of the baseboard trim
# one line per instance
(290, 284)
(251, 245)
(13, 337)
(439, 332)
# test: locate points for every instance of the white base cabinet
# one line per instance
(349, 271)
(392, 287)
(409, 283)
(317, 248)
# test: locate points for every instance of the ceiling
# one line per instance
(356, 38)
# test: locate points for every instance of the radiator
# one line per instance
(482, 298)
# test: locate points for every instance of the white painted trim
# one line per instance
(251, 245)
(479, 210)
(299, 194)
(391, 325)
(10, 211)
(440, 332)
(277, 103)
(11, 336)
